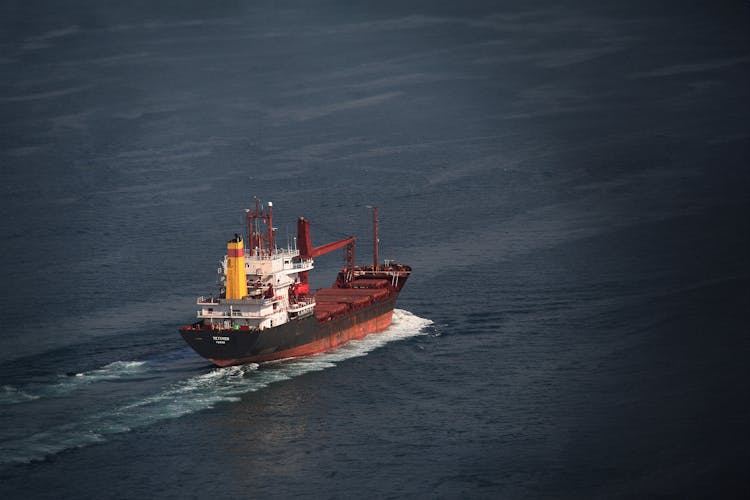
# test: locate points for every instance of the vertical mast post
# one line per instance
(375, 238)
(271, 244)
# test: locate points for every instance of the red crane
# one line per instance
(307, 251)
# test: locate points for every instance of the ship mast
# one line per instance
(375, 238)
(260, 243)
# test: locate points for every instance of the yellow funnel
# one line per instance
(236, 277)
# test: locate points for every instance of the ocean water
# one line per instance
(568, 180)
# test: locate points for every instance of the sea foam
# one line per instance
(64, 384)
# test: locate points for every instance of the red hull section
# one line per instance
(358, 331)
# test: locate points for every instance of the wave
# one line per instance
(109, 372)
(13, 395)
(68, 383)
(193, 394)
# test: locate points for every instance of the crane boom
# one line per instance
(306, 250)
(330, 247)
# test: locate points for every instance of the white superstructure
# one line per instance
(273, 292)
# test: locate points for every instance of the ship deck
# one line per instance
(331, 303)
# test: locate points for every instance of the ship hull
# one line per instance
(300, 337)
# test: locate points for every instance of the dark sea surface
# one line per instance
(570, 182)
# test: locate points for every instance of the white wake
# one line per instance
(190, 395)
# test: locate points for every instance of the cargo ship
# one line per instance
(264, 309)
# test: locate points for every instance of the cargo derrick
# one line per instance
(306, 250)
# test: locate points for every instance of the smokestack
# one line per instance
(236, 279)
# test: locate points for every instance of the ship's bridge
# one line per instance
(286, 261)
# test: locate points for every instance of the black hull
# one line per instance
(298, 337)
